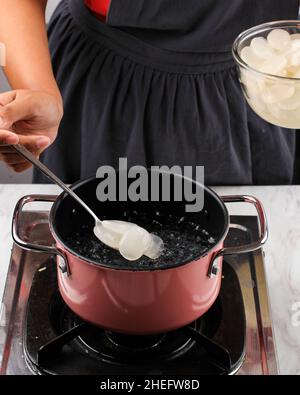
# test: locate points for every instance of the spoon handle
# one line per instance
(48, 173)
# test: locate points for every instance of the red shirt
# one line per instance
(99, 7)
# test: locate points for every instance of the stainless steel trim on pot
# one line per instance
(263, 232)
(64, 267)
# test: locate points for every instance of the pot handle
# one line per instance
(255, 245)
(63, 264)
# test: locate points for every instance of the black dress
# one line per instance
(157, 84)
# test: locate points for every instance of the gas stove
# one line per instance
(39, 334)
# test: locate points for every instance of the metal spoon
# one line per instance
(120, 235)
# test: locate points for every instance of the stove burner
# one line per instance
(59, 342)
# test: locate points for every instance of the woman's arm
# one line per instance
(33, 109)
(23, 31)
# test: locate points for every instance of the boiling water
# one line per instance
(183, 241)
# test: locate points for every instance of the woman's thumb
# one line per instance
(7, 137)
(14, 111)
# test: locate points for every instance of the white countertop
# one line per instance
(282, 260)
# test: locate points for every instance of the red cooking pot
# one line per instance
(129, 298)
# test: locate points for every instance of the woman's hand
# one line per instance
(30, 118)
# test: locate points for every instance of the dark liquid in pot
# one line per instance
(183, 240)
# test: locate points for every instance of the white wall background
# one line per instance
(7, 176)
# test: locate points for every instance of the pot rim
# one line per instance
(212, 249)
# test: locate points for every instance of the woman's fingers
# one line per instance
(15, 109)
(34, 142)
(7, 137)
(15, 162)
(6, 149)
(14, 158)
(7, 97)
(34, 117)
(21, 167)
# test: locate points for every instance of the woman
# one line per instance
(153, 81)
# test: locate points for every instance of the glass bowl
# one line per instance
(274, 98)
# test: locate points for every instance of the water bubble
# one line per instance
(183, 241)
